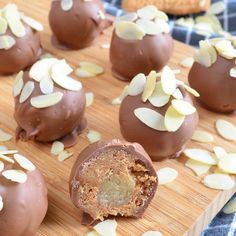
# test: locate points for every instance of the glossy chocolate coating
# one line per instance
(24, 205)
(62, 120)
(23, 54)
(215, 85)
(93, 152)
(159, 145)
(78, 27)
(131, 57)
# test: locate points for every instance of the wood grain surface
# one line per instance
(183, 207)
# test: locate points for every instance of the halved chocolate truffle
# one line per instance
(76, 23)
(113, 178)
(19, 40)
(158, 113)
(213, 74)
(49, 105)
(23, 196)
(140, 43)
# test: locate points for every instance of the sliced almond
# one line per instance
(191, 90)
(129, 31)
(224, 45)
(200, 155)
(219, 181)
(26, 91)
(187, 22)
(64, 155)
(127, 17)
(216, 8)
(219, 152)
(59, 68)
(149, 86)
(166, 175)
(173, 119)
(233, 72)
(7, 42)
(101, 15)
(202, 136)
(1, 203)
(106, 45)
(177, 94)
(57, 147)
(17, 176)
(93, 136)
(226, 129)
(46, 85)
(183, 107)
(3, 25)
(161, 15)
(187, 62)
(149, 27)
(197, 167)
(91, 68)
(4, 137)
(168, 81)
(137, 85)
(1, 166)
(230, 207)
(46, 55)
(66, 5)
(148, 12)
(48, 100)
(82, 73)
(68, 83)
(32, 23)
(123, 95)
(7, 159)
(162, 25)
(159, 98)
(203, 57)
(89, 99)
(18, 84)
(92, 233)
(227, 164)
(24, 162)
(106, 228)
(8, 152)
(150, 118)
(152, 233)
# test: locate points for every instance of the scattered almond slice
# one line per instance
(26, 91)
(92, 233)
(148, 12)
(82, 73)
(230, 207)
(187, 62)
(106, 228)
(191, 90)
(17, 176)
(48, 100)
(183, 107)
(57, 148)
(173, 120)
(32, 23)
(127, 17)
(106, 45)
(177, 94)
(152, 233)
(219, 171)
(66, 5)
(187, 22)
(7, 42)
(93, 136)
(4, 137)
(202, 136)
(18, 84)
(216, 8)
(226, 129)
(89, 99)
(150, 118)
(149, 27)
(101, 15)
(1, 166)
(200, 155)
(24, 162)
(3, 25)
(8, 152)
(150, 86)
(166, 175)
(64, 155)
(46, 85)
(233, 72)
(219, 152)
(197, 167)
(137, 85)
(1, 203)
(219, 181)
(92, 68)
(7, 159)
(168, 81)
(123, 95)
(227, 164)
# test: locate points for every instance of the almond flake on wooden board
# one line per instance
(3, 148)
(127, 17)
(64, 155)
(226, 129)
(197, 167)
(137, 85)
(46, 85)
(89, 99)
(101, 15)
(26, 91)
(7, 159)
(150, 118)
(106, 228)
(92, 233)
(219, 181)
(1, 166)
(8, 152)
(57, 147)
(82, 73)
(150, 86)
(168, 81)
(91, 67)
(148, 12)
(123, 95)
(48, 100)
(66, 5)
(6, 42)
(106, 45)
(219, 152)
(187, 62)
(152, 233)
(183, 107)
(1, 203)
(185, 21)
(93, 136)
(173, 120)
(227, 164)
(32, 23)
(200, 155)
(216, 8)
(166, 175)
(24, 162)
(233, 72)
(230, 207)
(3, 25)
(202, 136)
(4, 137)
(18, 84)
(17, 176)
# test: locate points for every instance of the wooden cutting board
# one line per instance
(183, 207)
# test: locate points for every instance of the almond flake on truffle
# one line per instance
(4, 137)
(68, 83)
(227, 164)
(1, 203)
(163, 25)
(148, 12)
(149, 86)
(191, 90)
(7, 159)
(6, 42)
(18, 84)
(91, 67)
(187, 62)
(24, 162)
(177, 94)
(32, 23)
(93, 136)
(183, 107)
(203, 57)
(197, 167)
(202, 136)
(168, 80)
(17, 176)
(101, 15)
(166, 175)
(1, 166)
(226, 129)
(89, 99)
(216, 8)
(127, 17)
(149, 27)
(224, 45)
(137, 85)
(64, 155)
(106, 228)
(233, 72)
(66, 5)
(219, 152)
(150, 118)
(3, 25)
(57, 148)
(46, 85)
(219, 181)
(121, 97)
(230, 207)
(26, 91)
(152, 233)
(161, 15)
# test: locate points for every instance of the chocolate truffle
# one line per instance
(23, 196)
(76, 23)
(49, 105)
(113, 178)
(158, 114)
(19, 40)
(213, 74)
(140, 43)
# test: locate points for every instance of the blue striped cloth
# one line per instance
(222, 224)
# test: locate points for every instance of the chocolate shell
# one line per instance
(113, 178)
